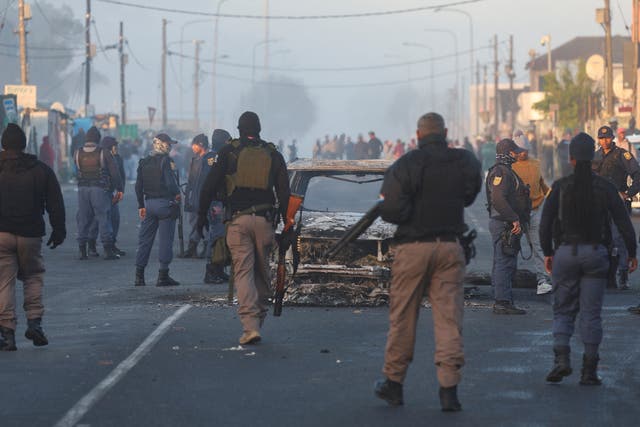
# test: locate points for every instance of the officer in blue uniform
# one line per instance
(509, 210)
(158, 193)
(98, 178)
(201, 163)
(616, 164)
(576, 219)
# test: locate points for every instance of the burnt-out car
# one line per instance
(336, 195)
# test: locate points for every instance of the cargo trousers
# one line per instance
(20, 258)
(435, 269)
(250, 240)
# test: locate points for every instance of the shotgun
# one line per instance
(286, 239)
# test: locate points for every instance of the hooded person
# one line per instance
(252, 175)
(28, 188)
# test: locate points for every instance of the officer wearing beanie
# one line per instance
(509, 208)
(251, 169)
(216, 254)
(201, 162)
(574, 234)
(28, 187)
(110, 144)
(616, 164)
(158, 195)
(98, 179)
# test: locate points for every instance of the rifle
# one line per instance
(295, 201)
(355, 230)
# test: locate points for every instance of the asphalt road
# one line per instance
(125, 356)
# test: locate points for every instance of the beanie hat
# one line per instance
(93, 135)
(582, 147)
(201, 140)
(108, 142)
(13, 138)
(521, 140)
(249, 123)
(219, 138)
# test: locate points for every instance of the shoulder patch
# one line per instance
(497, 180)
(211, 161)
(628, 156)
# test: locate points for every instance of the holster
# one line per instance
(510, 243)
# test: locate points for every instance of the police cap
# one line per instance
(582, 147)
(506, 146)
(605, 132)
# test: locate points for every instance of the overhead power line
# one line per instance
(291, 17)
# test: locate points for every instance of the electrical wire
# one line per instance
(291, 17)
(4, 14)
(60, 82)
(67, 49)
(175, 75)
(102, 48)
(13, 55)
(51, 26)
(624, 21)
(133, 55)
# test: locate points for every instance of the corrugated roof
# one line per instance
(580, 47)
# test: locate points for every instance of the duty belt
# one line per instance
(257, 209)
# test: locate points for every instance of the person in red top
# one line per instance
(398, 149)
(47, 155)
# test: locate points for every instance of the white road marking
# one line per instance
(83, 406)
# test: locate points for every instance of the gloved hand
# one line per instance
(202, 224)
(56, 239)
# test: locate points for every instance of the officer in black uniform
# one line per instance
(509, 208)
(616, 164)
(255, 174)
(158, 193)
(577, 218)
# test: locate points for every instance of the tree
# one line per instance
(572, 94)
(283, 104)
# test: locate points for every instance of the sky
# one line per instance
(391, 110)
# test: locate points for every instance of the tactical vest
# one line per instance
(151, 169)
(611, 168)
(522, 197)
(249, 166)
(565, 230)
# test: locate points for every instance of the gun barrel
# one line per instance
(354, 231)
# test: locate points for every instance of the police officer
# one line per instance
(252, 169)
(110, 144)
(217, 253)
(28, 187)
(425, 193)
(576, 217)
(616, 164)
(158, 196)
(98, 174)
(201, 162)
(509, 208)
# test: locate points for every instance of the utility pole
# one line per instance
(511, 74)
(123, 62)
(196, 85)
(495, 85)
(609, 60)
(266, 37)
(634, 39)
(484, 99)
(477, 98)
(164, 74)
(87, 68)
(22, 33)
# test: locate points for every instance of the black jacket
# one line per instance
(28, 187)
(426, 190)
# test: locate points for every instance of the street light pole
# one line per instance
(457, 86)
(253, 63)
(196, 85)
(215, 63)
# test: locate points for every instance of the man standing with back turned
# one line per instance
(28, 187)
(425, 193)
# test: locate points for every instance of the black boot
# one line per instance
(118, 251)
(35, 333)
(214, 274)
(164, 279)
(561, 364)
(83, 252)
(590, 370)
(390, 391)
(93, 250)
(110, 253)
(192, 250)
(449, 399)
(7, 339)
(506, 307)
(139, 277)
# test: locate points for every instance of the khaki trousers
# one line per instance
(250, 239)
(436, 268)
(21, 258)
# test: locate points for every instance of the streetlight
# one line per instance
(253, 63)
(424, 46)
(546, 41)
(457, 87)
(215, 62)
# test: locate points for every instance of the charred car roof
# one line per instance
(311, 165)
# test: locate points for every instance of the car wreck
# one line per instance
(337, 193)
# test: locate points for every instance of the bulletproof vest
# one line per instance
(521, 198)
(565, 229)
(249, 166)
(151, 169)
(90, 166)
(611, 168)
(23, 183)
